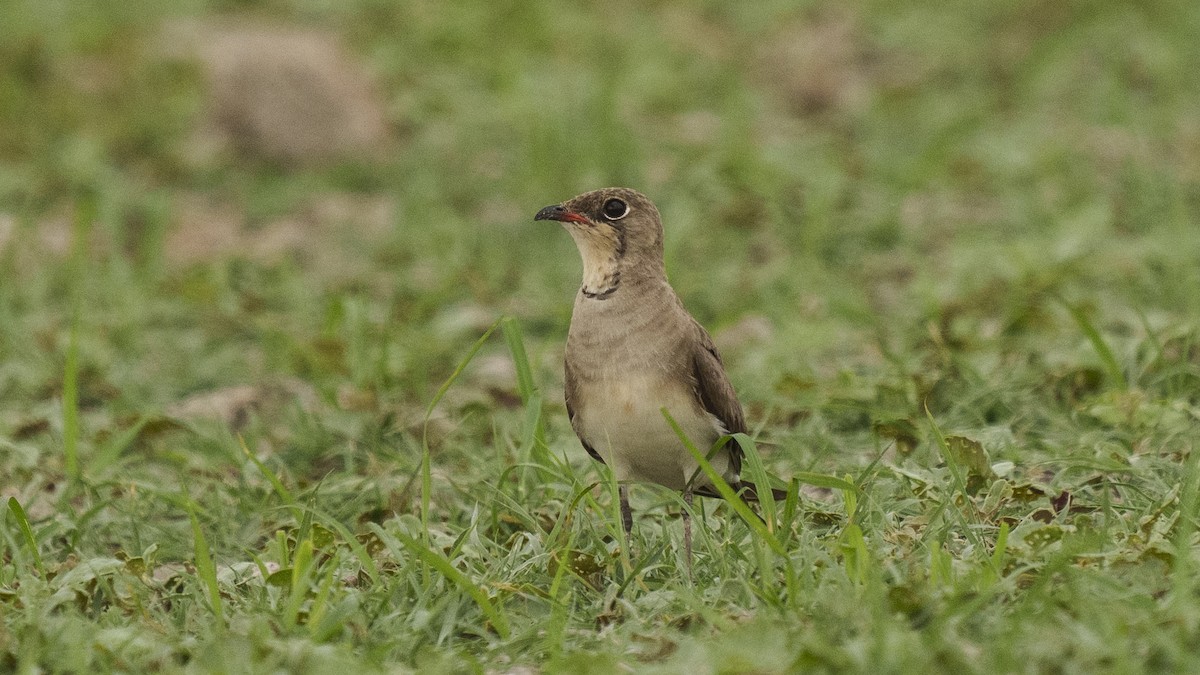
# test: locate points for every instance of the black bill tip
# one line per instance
(552, 212)
(562, 214)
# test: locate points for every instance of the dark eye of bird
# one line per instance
(615, 209)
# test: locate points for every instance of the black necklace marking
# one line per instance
(599, 295)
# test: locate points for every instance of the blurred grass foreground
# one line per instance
(950, 252)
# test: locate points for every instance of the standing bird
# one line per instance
(633, 350)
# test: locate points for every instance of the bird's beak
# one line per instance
(561, 214)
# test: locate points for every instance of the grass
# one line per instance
(950, 254)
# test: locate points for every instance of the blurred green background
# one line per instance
(289, 221)
(822, 165)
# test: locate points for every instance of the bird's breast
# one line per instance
(622, 418)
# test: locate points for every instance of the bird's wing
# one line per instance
(571, 392)
(716, 394)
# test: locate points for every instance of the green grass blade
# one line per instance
(84, 216)
(27, 534)
(110, 451)
(616, 527)
(441, 392)
(825, 481)
(855, 554)
(956, 471)
(302, 565)
(1189, 506)
(960, 485)
(426, 478)
(318, 622)
(533, 438)
(850, 497)
(739, 506)
(360, 552)
(277, 485)
(205, 569)
(1107, 359)
(70, 402)
(758, 475)
(1001, 547)
(941, 565)
(516, 345)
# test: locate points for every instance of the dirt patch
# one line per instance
(290, 95)
(234, 405)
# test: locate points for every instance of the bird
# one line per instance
(633, 350)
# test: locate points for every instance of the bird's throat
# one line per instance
(601, 252)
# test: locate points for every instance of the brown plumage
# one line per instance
(633, 349)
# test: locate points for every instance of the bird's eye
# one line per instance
(615, 209)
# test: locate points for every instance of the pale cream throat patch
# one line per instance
(599, 253)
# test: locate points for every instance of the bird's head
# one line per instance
(616, 226)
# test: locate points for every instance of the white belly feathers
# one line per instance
(621, 419)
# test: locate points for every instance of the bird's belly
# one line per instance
(623, 421)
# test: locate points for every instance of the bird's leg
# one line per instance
(626, 513)
(687, 530)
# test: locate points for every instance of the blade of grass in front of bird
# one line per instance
(825, 481)
(758, 476)
(616, 524)
(735, 502)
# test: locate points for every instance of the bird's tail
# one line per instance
(745, 490)
(748, 492)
